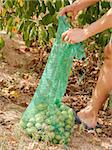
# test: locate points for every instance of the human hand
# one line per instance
(73, 36)
(70, 9)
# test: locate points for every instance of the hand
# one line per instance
(71, 8)
(73, 36)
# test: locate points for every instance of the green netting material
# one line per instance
(46, 118)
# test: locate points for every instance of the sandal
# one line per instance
(78, 121)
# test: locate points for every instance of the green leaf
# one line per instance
(28, 43)
(2, 43)
(9, 24)
(39, 7)
(1, 25)
(51, 32)
(51, 9)
(8, 4)
(30, 8)
(110, 30)
(25, 36)
(47, 19)
(43, 7)
(54, 19)
(82, 19)
(33, 33)
(58, 5)
(32, 24)
(105, 4)
(20, 26)
(66, 2)
(42, 35)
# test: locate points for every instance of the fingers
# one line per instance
(62, 12)
(65, 10)
(74, 15)
(68, 40)
(66, 37)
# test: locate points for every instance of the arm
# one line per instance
(105, 22)
(77, 6)
(82, 4)
(78, 35)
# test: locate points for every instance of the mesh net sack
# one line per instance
(46, 117)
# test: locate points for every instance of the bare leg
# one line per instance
(103, 87)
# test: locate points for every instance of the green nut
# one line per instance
(58, 137)
(55, 141)
(68, 127)
(32, 120)
(62, 130)
(31, 130)
(29, 124)
(38, 125)
(41, 106)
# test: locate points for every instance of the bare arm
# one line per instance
(82, 4)
(78, 35)
(76, 7)
(105, 22)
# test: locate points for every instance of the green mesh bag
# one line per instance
(46, 117)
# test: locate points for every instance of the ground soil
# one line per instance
(20, 71)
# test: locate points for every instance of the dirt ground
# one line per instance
(20, 71)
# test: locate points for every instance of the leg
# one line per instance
(103, 87)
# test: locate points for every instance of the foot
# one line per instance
(88, 117)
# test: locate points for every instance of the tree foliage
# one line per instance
(37, 19)
(34, 19)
